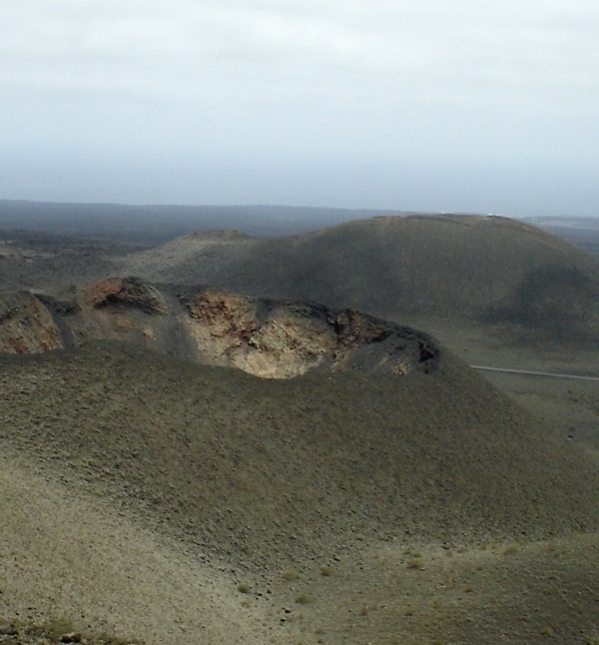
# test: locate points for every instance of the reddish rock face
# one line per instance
(124, 292)
(266, 338)
(271, 340)
(226, 315)
(282, 340)
(26, 325)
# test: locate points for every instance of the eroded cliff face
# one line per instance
(266, 338)
(26, 325)
(278, 342)
(282, 340)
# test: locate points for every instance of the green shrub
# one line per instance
(304, 599)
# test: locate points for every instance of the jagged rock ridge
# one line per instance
(267, 338)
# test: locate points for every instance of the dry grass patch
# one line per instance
(304, 599)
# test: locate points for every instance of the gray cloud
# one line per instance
(301, 85)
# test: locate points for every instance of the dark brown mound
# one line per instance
(267, 471)
(124, 292)
(477, 270)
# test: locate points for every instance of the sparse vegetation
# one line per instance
(304, 599)
(57, 630)
(57, 627)
(255, 476)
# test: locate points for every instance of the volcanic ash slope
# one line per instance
(194, 491)
(414, 269)
(270, 471)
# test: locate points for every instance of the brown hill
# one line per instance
(413, 269)
(387, 493)
(274, 469)
(332, 488)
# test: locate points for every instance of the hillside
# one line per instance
(238, 463)
(582, 231)
(256, 477)
(477, 270)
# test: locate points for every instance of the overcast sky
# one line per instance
(468, 105)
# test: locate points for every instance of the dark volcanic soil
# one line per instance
(384, 494)
(276, 470)
(459, 269)
(330, 498)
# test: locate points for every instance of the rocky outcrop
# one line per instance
(263, 338)
(282, 340)
(266, 338)
(359, 334)
(124, 293)
(26, 325)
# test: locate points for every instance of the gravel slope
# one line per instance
(64, 554)
(168, 501)
(476, 270)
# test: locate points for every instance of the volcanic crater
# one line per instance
(266, 338)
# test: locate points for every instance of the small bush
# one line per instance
(547, 631)
(57, 627)
(304, 599)
(326, 571)
(290, 575)
(243, 588)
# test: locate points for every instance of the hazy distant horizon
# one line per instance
(156, 207)
(515, 192)
(472, 107)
